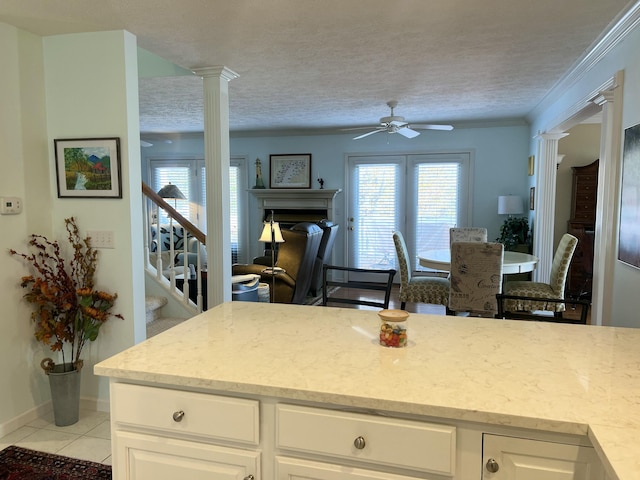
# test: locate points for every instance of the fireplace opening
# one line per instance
(287, 218)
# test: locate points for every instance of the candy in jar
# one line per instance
(393, 328)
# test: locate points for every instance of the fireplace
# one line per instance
(291, 206)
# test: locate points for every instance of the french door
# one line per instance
(421, 195)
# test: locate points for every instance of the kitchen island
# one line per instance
(278, 374)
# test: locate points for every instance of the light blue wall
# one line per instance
(499, 152)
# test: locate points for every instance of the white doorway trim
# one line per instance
(608, 99)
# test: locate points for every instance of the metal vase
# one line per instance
(65, 393)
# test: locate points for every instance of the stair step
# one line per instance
(153, 304)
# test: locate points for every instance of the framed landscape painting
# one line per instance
(88, 167)
(629, 235)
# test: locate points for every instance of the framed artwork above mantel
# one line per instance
(291, 170)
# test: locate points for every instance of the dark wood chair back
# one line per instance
(376, 280)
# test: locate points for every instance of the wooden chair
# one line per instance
(476, 277)
(377, 280)
(524, 291)
(434, 290)
(502, 300)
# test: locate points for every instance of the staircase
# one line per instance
(155, 322)
(180, 238)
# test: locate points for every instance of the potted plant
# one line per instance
(515, 235)
(67, 311)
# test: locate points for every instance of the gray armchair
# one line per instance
(329, 233)
(296, 256)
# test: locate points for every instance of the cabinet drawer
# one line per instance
(213, 416)
(386, 441)
(296, 469)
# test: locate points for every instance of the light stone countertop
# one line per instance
(562, 378)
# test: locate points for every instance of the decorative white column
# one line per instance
(605, 239)
(545, 204)
(216, 157)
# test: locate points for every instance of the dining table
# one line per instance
(513, 262)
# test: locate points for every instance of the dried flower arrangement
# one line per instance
(67, 307)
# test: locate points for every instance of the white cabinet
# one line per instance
(161, 433)
(152, 457)
(506, 458)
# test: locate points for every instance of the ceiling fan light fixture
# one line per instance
(397, 124)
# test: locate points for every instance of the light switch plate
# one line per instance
(102, 238)
(10, 205)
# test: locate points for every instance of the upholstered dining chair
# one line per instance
(476, 278)
(467, 234)
(434, 290)
(552, 290)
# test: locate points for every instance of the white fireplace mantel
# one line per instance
(296, 199)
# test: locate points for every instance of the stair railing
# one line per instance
(192, 241)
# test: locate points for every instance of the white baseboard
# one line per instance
(86, 403)
(25, 418)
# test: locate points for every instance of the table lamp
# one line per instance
(271, 233)
(510, 205)
(170, 191)
(514, 230)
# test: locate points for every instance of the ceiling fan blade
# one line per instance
(367, 134)
(357, 128)
(396, 123)
(432, 127)
(407, 132)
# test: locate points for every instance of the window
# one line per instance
(189, 176)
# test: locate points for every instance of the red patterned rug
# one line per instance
(18, 463)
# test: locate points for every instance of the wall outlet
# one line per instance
(10, 205)
(102, 238)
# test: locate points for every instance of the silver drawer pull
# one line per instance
(359, 443)
(178, 416)
(248, 477)
(492, 466)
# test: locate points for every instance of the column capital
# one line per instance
(219, 71)
(603, 97)
(551, 136)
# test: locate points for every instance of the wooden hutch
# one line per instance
(582, 226)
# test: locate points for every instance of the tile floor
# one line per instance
(89, 439)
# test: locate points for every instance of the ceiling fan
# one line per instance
(396, 124)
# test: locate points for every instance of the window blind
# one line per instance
(234, 190)
(179, 176)
(438, 203)
(374, 189)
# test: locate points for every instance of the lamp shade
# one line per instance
(266, 233)
(510, 205)
(171, 191)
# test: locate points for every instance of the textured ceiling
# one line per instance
(318, 64)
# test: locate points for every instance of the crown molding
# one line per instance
(623, 25)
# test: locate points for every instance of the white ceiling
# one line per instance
(327, 64)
